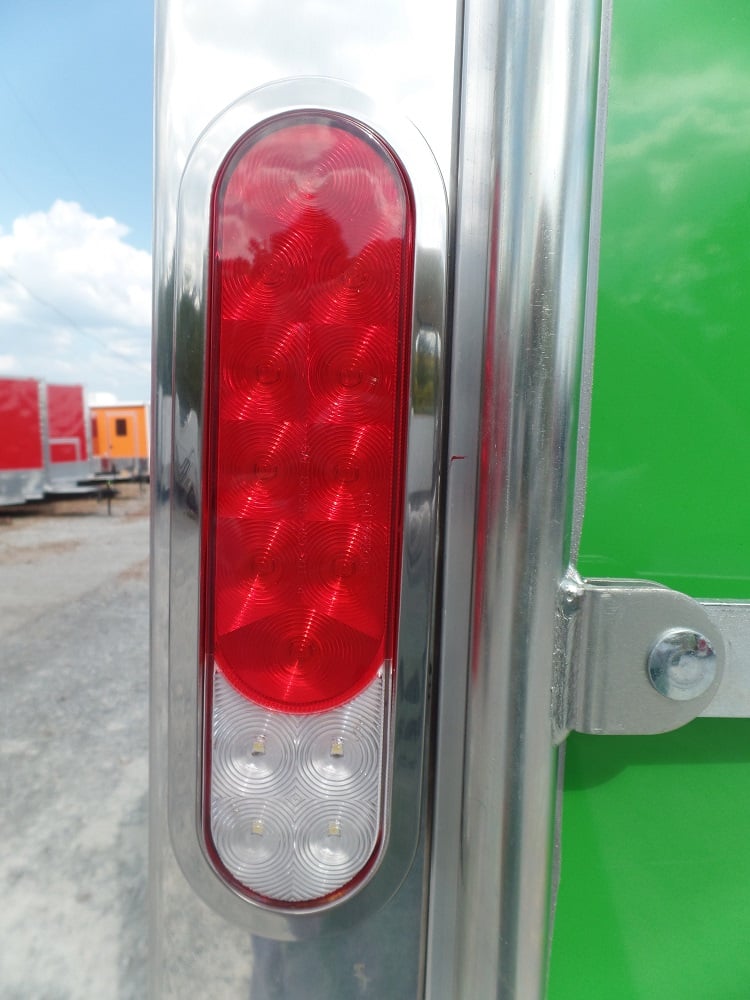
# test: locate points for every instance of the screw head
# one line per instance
(682, 664)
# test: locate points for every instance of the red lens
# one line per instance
(308, 353)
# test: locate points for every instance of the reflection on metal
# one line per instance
(682, 665)
(732, 698)
(621, 647)
(425, 380)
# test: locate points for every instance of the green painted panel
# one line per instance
(654, 898)
(655, 892)
(669, 472)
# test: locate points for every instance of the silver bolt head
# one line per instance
(682, 665)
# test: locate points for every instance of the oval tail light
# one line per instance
(306, 402)
(308, 307)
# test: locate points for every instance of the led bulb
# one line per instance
(335, 843)
(253, 748)
(254, 840)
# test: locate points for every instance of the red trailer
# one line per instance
(22, 440)
(45, 444)
(69, 441)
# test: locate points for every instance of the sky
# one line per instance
(75, 193)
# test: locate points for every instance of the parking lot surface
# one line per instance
(73, 750)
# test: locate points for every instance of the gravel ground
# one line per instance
(73, 750)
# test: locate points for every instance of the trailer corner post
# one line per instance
(529, 112)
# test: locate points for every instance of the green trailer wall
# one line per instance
(654, 899)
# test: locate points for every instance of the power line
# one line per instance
(53, 148)
(69, 321)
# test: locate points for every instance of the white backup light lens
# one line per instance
(296, 800)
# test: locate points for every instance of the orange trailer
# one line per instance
(120, 437)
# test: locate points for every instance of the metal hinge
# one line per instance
(637, 658)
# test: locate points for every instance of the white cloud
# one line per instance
(8, 364)
(75, 302)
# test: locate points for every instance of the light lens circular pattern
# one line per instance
(253, 749)
(262, 566)
(350, 380)
(343, 756)
(309, 342)
(254, 839)
(345, 574)
(270, 362)
(259, 476)
(295, 655)
(335, 842)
